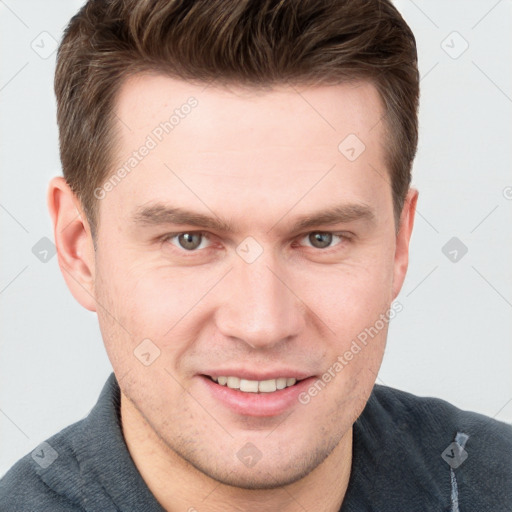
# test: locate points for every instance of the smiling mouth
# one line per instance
(254, 386)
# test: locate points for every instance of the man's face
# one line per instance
(257, 297)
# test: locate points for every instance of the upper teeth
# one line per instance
(255, 386)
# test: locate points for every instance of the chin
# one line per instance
(267, 473)
(265, 478)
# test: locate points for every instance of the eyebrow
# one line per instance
(159, 214)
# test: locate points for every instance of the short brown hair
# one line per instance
(246, 42)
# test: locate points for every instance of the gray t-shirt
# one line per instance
(409, 454)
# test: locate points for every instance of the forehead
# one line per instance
(233, 147)
(145, 100)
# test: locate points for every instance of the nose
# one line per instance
(261, 308)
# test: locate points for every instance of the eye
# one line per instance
(323, 239)
(193, 241)
(190, 240)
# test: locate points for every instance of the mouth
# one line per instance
(265, 397)
(254, 386)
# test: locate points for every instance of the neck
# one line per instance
(175, 483)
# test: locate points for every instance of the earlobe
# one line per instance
(75, 249)
(402, 240)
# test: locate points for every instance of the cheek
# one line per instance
(354, 302)
(168, 306)
(350, 297)
(158, 299)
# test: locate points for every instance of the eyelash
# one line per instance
(168, 237)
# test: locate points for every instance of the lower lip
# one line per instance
(257, 404)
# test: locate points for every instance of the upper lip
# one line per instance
(258, 374)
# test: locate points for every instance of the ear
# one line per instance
(75, 248)
(402, 240)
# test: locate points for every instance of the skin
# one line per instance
(260, 160)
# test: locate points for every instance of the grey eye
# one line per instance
(190, 241)
(320, 240)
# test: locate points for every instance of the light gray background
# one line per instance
(452, 339)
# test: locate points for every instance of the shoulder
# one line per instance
(35, 483)
(427, 439)
(429, 416)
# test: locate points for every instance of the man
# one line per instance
(236, 208)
